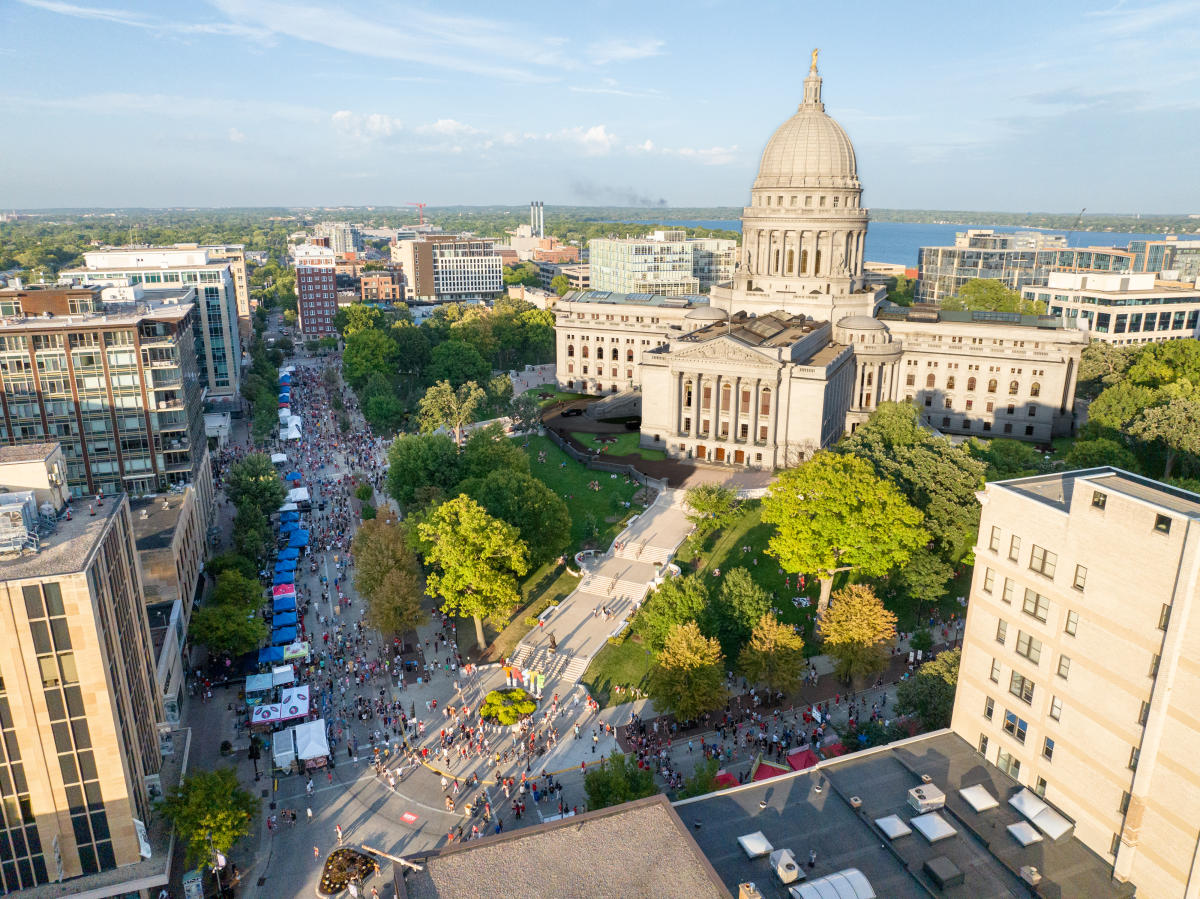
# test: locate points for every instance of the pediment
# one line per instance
(721, 349)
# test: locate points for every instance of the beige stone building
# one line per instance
(80, 754)
(169, 530)
(1081, 662)
(798, 346)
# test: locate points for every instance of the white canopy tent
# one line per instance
(278, 458)
(293, 434)
(289, 507)
(298, 495)
(282, 674)
(310, 740)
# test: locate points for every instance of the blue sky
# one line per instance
(1007, 106)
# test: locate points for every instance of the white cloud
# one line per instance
(596, 140)
(447, 128)
(133, 19)
(363, 128)
(236, 136)
(709, 155)
(117, 16)
(618, 50)
(646, 146)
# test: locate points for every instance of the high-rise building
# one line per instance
(1179, 257)
(235, 255)
(713, 260)
(1079, 672)
(115, 381)
(1018, 260)
(343, 237)
(658, 264)
(316, 289)
(80, 756)
(449, 268)
(1124, 309)
(218, 344)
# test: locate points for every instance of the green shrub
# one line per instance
(507, 706)
(368, 512)
(364, 492)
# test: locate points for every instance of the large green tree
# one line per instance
(732, 613)
(228, 630)
(476, 560)
(712, 506)
(1174, 424)
(991, 295)
(357, 317)
(210, 811)
(254, 483)
(856, 630)
(412, 348)
(688, 677)
(1101, 451)
(834, 514)
(488, 450)
(929, 694)
(536, 511)
(417, 461)
(367, 352)
(615, 780)
(458, 362)
(675, 601)
(773, 656)
(445, 406)
(386, 574)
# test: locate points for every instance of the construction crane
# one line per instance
(1078, 219)
(420, 211)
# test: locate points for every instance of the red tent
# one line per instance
(283, 590)
(725, 779)
(799, 759)
(765, 771)
(833, 750)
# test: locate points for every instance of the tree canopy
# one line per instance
(255, 483)
(774, 656)
(417, 461)
(386, 574)
(210, 805)
(445, 406)
(929, 693)
(739, 604)
(367, 352)
(712, 506)
(991, 295)
(856, 630)
(538, 513)
(615, 780)
(688, 677)
(675, 601)
(458, 362)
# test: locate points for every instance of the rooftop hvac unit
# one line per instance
(783, 863)
(926, 798)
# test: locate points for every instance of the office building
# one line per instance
(713, 260)
(1122, 309)
(1079, 672)
(578, 275)
(1016, 260)
(116, 383)
(316, 290)
(218, 348)
(235, 255)
(658, 264)
(798, 347)
(382, 287)
(449, 268)
(343, 237)
(80, 757)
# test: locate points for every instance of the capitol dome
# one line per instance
(808, 150)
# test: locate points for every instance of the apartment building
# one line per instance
(449, 268)
(116, 383)
(80, 757)
(235, 255)
(382, 287)
(316, 289)
(1123, 309)
(578, 275)
(713, 260)
(342, 236)
(1081, 661)
(219, 348)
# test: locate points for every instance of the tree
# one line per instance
(712, 507)
(1174, 424)
(677, 600)
(929, 694)
(774, 656)
(991, 295)
(252, 535)
(834, 514)
(233, 588)
(901, 291)
(1007, 458)
(383, 410)
(525, 412)
(1101, 365)
(210, 811)
(421, 460)
(733, 613)
(412, 348)
(228, 630)
(499, 391)
(703, 779)
(688, 677)
(525, 273)
(488, 450)
(231, 561)
(366, 353)
(926, 576)
(444, 406)
(856, 629)
(507, 706)
(458, 362)
(254, 483)
(1101, 451)
(1117, 406)
(536, 511)
(387, 576)
(476, 560)
(560, 284)
(615, 780)
(357, 317)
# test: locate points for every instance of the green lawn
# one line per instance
(597, 516)
(549, 584)
(559, 395)
(625, 665)
(625, 444)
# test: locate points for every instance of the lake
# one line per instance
(899, 241)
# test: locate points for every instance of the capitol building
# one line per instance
(797, 349)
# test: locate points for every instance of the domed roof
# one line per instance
(861, 323)
(810, 149)
(707, 314)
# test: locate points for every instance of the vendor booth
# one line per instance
(303, 747)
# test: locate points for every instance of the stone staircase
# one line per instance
(555, 665)
(644, 551)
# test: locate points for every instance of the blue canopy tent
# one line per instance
(288, 526)
(285, 565)
(299, 538)
(293, 476)
(283, 619)
(290, 553)
(285, 378)
(270, 654)
(283, 636)
(288, 577)
(290, 515)
(285, 603)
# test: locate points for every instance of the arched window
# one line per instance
(764, 406)
(570, 349)
(992, 386)
(775, 267)
(584, 352)
(725, 396)
(616, 354)
(804, 262)
(970, 383)
(791, 259)
(1013, 387)
(1035, 389)
(817, 264)
(929, 380)
(950, 383)
(629, 355)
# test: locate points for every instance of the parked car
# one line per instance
(571, 413)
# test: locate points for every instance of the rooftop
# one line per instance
(28, 452)
(774, 329)
(640, 848)
(687, 301)
(155, 519)
(1056, 489)
(926, 313)
(69, 548)
(811, 810)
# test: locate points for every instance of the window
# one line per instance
(970, 383)
(1008, 764)
(1055, 708)
(995, 675)
(1014, 548)
(994, 540)
(989, 707)
(1035, 389)
(1123, 805)
(1001, 631)
(1143, 713)
(1115, 844)
(1164, 617)
(950, 383)
(1012, 388)
(1048, 748)
(989, 580)
(983, 744)
(910, 380)
(1043, 561)
(1040, 787)
(1064, 666)
(1099, 499)
(1134, 752)
(929, 381)
(1021, 687)
(1080, 577)
(1162, 524)
(1036, 605)
(1008, 590)
(1072, 624)
(1015, 727)
(992, 386)
(1030, 647)
(1154, 665)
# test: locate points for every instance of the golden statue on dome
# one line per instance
(813, 68)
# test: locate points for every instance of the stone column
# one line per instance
(735, 413)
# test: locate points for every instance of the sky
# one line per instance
(1014, 106)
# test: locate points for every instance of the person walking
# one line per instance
(338, 829)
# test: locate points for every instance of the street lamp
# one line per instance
(217, 864)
